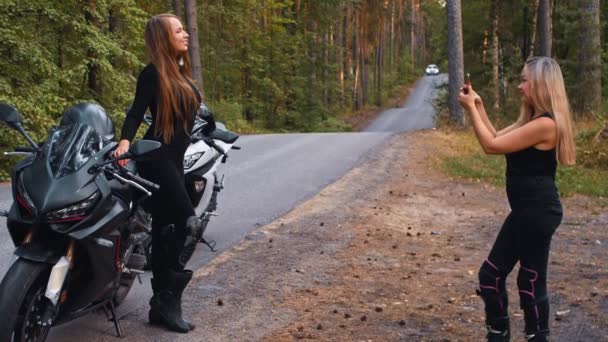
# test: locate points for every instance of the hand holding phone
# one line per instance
(467, 82)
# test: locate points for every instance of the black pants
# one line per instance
(525, 236)
(170, 207)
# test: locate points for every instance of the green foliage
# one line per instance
(279, 59)
(230, 113)
(49, 50)
(592, 149)
(477, 166)
(588, 177)
(570, 180)
(592, 182)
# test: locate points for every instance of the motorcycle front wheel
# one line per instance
(22, 302)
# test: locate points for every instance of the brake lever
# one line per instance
(132, 183)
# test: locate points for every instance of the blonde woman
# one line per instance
(533, 146)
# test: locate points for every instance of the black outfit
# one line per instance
(525, 236)
(170, 207)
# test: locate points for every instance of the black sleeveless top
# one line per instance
(532, 161)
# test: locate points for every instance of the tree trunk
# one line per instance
(363, 56)
(589, 81)
(325, 74)
(455, 59)
(178, 8)
(544, 28)
(484, 54)
(420, 35)
(379, 62)
(495, 61)
(338, 60)
(392, 46)
(195, 57)
(93, 82)
(413, 31)
(346, 53)
(534, 28)
(357, 61)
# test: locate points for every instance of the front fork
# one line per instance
(55, 284)
(58, 275)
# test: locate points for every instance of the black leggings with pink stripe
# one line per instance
(525, 236)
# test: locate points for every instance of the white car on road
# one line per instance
(432, 69)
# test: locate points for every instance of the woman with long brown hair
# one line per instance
(533, 146)
(166, 88)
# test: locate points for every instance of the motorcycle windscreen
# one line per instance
(71, 147)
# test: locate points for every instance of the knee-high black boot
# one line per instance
(166, 304)
(168, 284)
(536, 317)
(492, 290)
(534, 301)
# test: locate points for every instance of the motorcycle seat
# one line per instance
(225, 136)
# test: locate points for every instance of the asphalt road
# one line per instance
(267, 178)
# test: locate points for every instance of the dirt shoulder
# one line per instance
(389, 252)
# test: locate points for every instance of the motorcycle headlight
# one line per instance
(75, 212)
(191, 159)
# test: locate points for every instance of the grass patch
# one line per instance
(462, 157)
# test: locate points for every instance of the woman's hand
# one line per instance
(470, 99)
(123, 147)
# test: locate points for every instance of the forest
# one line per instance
(292, 65)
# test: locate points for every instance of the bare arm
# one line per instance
(516, 139)
(506, 130)
(484, 116)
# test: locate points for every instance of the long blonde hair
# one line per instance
(548, 94)
(177, 101)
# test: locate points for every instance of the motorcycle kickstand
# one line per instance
(113, 318)
(210, 244)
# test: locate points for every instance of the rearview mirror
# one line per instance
(10, 116)
(143, 147)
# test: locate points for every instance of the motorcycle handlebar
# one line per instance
(212, 143)
(145, 182)
(117, 170)
(140, 180)
(132, 183)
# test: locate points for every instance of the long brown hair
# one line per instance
(548, 94)
(177, 101)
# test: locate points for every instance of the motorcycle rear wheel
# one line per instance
(22, 301)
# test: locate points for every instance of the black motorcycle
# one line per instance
(71, 224)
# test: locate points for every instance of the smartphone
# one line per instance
(467, 82)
